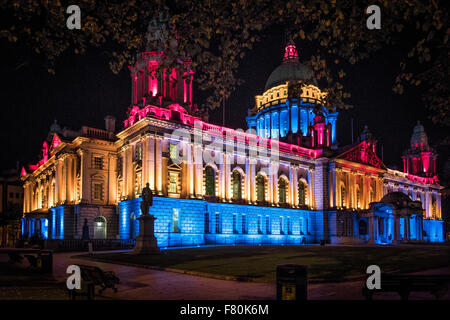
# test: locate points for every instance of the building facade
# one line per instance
(11, 204)
(284, 181)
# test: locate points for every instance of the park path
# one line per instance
(144, 284)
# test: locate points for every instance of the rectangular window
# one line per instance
(98, 191)
(207, 222)
(173, 182)
(268, 226)
(218, 223)
(244, 224)
(173, 151)
(175, 220)
(98, 163)
(301, 225)
(234, 223)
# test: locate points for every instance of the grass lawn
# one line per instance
(325, 264)
(17, 283)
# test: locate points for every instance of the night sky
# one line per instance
(84, 90)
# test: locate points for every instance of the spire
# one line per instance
(290, 52)
(419, 138)
(366, 134)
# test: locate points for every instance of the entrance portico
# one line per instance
(396, 218)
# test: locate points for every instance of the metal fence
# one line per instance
(83, 245)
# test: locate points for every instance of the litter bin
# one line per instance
(292, 282)
(45, 261)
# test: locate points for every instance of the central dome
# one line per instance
(290, 70)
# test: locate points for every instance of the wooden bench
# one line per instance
(437, 285)
(33, 261)
(14, 257)
(94, 276)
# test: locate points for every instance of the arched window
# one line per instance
(301, 193)
(260, 188)
(210, 179)
(100, 228)
(343, 195)
(237, 185)
(282, 190)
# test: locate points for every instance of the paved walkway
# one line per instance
(140, 283)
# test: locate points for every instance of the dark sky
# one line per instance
(84, 90)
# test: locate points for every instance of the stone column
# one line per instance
(375, 231)
(275, 182)
(311, 195)
(428, 204)
(129, 181)
(438, 205)
(247, 180)
(371, 236)
(145, 155)
(222, 180)
(333, 185)
(112, 179)
(228, 190)
(295, 187)
(291, 185)
(253, 180)
(396, 233)
(408, 227)
(158, 165)
(190, 173)
(405, 228)
(198, 170)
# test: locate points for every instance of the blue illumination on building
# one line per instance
(183, 222)
(433, 230)
(44, 228)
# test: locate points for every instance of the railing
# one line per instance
(83, 245)
(97, 133)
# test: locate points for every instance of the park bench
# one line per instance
(94, 276)
(437, 285)
(33, 261)
(14, 257)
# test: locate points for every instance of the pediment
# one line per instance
(362, 153)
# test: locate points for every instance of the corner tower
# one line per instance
(420, 158)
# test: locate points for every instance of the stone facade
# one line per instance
(216, 185)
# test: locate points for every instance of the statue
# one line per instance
(147, 199)
(146, 242)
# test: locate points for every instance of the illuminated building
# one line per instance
(11, 202)
(285, 181)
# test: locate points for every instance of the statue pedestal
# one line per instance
(146, 241)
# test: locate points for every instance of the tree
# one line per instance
(217, 34)
(9, 220)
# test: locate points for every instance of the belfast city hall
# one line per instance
(285, 180)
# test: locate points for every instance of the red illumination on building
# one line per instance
(55, 141)
(290, 52)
